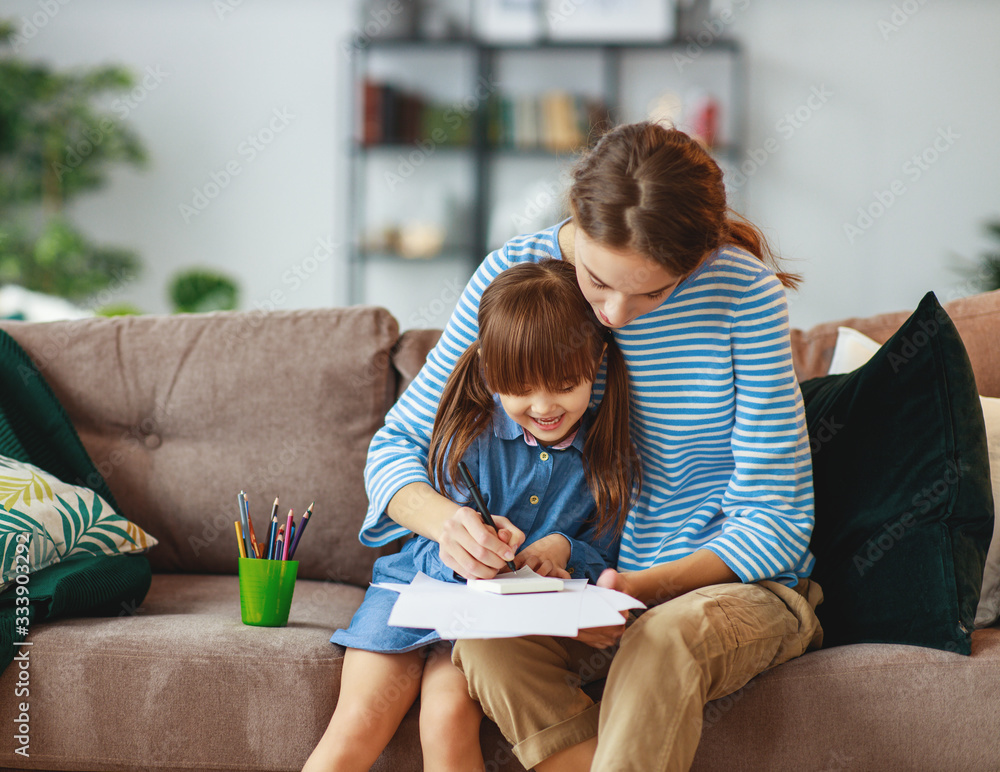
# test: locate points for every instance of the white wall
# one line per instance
(229, 74)
(888, 95)
(896, 82)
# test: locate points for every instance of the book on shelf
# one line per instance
(391, 115)
(556, 121)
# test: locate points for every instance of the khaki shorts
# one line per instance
(672, 659)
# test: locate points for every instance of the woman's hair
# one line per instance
(656, 191)
(537, 331)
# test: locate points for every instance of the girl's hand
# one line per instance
(547, 557)
(472, 549)
(543, 567)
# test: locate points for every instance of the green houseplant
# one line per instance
(983, 273)
(57, 142)
(989, 262)
(198, 290)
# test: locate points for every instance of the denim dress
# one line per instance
(542, 490)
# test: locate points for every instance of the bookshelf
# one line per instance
(456, 143)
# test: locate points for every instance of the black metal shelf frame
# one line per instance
(482, 153)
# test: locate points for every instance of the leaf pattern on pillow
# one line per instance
(21, 489)
(138, 536)
(41, 551)
(89, 530)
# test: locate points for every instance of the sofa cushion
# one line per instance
(186, 410)
(977, 318)
(865, 707)
(182, 683)
(904, 509)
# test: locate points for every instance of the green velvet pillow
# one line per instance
(904, 506)
(94, 585)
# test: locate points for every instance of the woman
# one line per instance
(717, 543)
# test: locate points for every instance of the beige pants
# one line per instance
(672, 659)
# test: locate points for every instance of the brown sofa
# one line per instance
(179, 413)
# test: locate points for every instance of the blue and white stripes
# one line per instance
(717, 417)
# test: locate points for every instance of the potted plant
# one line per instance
(57, 142)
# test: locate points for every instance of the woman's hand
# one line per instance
(615, 580)
(603, 637)
(472, 549)
(546, 557)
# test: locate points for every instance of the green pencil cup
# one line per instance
(266, 588)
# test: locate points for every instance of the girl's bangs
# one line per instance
(517, 361)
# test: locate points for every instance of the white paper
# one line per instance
(456, 611)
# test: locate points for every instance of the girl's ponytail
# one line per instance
(465, 411)
(614, 470)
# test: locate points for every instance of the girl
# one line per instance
(717, 543)
(559, 475)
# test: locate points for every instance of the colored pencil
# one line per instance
(269, 550)
(244, 516)
(298, 531)
(239, 538)
(279, 542)
(253, 538)
(274, 529)
(288, 535)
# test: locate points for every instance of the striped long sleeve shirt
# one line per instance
(717, 417)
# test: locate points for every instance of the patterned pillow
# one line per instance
(57, 520)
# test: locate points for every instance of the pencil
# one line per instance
(274, 528)
(245, 526)
(239, 538)
(273, 532)
(278, 541)
(298, 531)
(477, 497)
(288, 535)
(253, 538)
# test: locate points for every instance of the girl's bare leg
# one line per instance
(376, 690)
(449, 717)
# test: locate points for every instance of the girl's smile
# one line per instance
(548, 424)
(549, 416)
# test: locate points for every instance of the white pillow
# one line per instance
(989, 601)
(852, 350)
